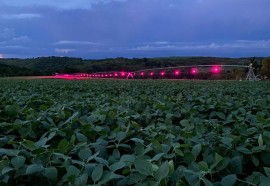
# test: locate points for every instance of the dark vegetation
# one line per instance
(7, 70)
(114, 132)
(51, 65)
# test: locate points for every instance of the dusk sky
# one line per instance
(94, 29)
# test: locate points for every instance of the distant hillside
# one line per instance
(8, 71)
(50, 65)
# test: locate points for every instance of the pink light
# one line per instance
(177, 72)
(115, 74)
(194, 71)
(151, 73)
(123, 73)
(216, 69)
(106, 75)
(142, 73)
(162, 73)
(110, 75)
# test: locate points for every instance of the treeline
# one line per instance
(9, 71)
(51, 65)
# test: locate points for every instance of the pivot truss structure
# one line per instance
(167, 72)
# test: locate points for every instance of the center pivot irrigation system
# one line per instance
(167, 72)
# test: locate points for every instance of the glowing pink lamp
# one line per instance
(216, 69)
(194, 71)
(177, 72)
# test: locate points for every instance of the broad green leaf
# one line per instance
(128, 158)
(9, 152)
(184, 123)
(223, 164)
(101, 160)
(3, 163)
(30, 145)
(221, 115)
(255, 161)
(12, 110)
(162, 172)
(50, 173)
(236, 165)
(196, 150)
(171, 166)
(41, 142)
(120, 136)
(97, 173)
(229, 180)
(227, 141)
(144, 167)
(260, 140)
(75, 115)
(134, 178)
(51, 135)
(207, 182)
(81, 180)
(31, 169)
(218, 158)
(18, 161)
(137, 140)
(191, 177)
(63, 146)
(81, 137)
(7, 169)
(72, 170)
(203, 166)
(117, 166)
(139, 149)
(267, 171)
(258, 149)
(85, 153)
(264, 181)
(243, 150)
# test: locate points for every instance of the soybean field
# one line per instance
(134, 132)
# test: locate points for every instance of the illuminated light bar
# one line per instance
(142, 73)
(151, 73)
(194, 71)
(162, 73)
(177, 72)
(216, 69)
(115, 74)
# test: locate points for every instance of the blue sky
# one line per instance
(94, 29)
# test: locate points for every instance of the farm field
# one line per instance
(134, 132)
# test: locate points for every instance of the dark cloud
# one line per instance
(141, 28)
